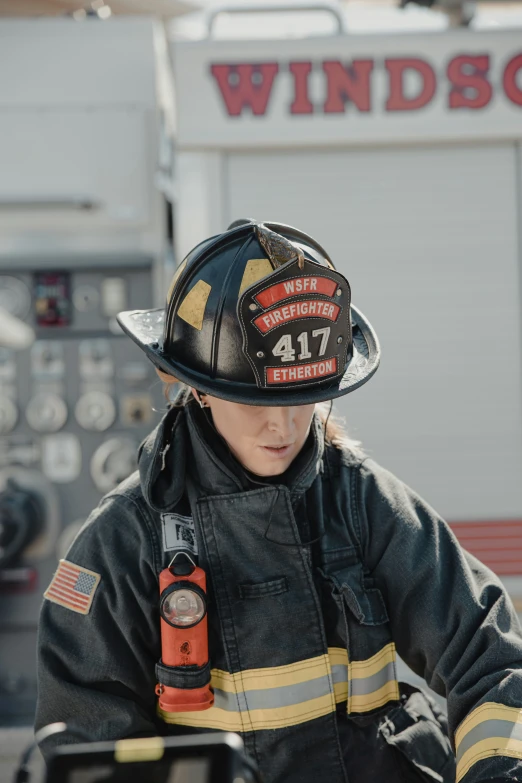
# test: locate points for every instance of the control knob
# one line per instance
(112, 462)
(46, 412)
(95, 410)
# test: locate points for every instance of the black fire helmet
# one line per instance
(259, 315)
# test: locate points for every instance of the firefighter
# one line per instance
(318, 564)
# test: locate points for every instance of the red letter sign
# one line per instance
(244, 85)
(511, 88)
(469, 73)
(347, 84)
(397, 101)
(301, 103)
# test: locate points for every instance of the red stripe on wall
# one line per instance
(497, 543)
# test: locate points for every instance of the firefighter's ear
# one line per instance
(200, 398)
(165, 377)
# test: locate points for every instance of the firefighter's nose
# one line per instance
(281, 421)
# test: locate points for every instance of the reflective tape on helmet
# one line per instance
(276, 697)
(255, 269)
(489, 730)
(192, 308)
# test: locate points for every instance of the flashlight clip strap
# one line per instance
(183, 676)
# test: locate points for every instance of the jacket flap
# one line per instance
(364, 600)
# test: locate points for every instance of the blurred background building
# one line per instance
(130, 130)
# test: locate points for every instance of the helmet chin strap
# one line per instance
(198, 397)
(325, 426)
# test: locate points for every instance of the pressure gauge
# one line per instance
(8, 415)
(96, 411)
(46, 412)
(85, 298)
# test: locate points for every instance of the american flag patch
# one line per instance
(73, 587)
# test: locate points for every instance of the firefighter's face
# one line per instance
(265, 440)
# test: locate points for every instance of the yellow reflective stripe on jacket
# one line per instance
(373, 682)
(490, 730)
(268, 698)
(272, 676)
(339, 663)
(279, 696)
(252, 720)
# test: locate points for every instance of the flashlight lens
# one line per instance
(183, 607)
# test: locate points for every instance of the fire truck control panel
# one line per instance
(85, 232)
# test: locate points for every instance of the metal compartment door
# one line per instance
(427, 237)
(73, 169)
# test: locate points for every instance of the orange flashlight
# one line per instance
(184, 634)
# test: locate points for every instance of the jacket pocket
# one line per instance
(415, 729)
(263, 589)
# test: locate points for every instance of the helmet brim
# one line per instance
(146, 327)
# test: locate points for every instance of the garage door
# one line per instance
(427, 237)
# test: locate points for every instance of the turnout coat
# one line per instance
(315, 581)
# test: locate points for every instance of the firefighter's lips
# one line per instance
(278, 452)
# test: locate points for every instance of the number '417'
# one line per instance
(285, 350)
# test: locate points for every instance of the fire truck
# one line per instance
(401, 154)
